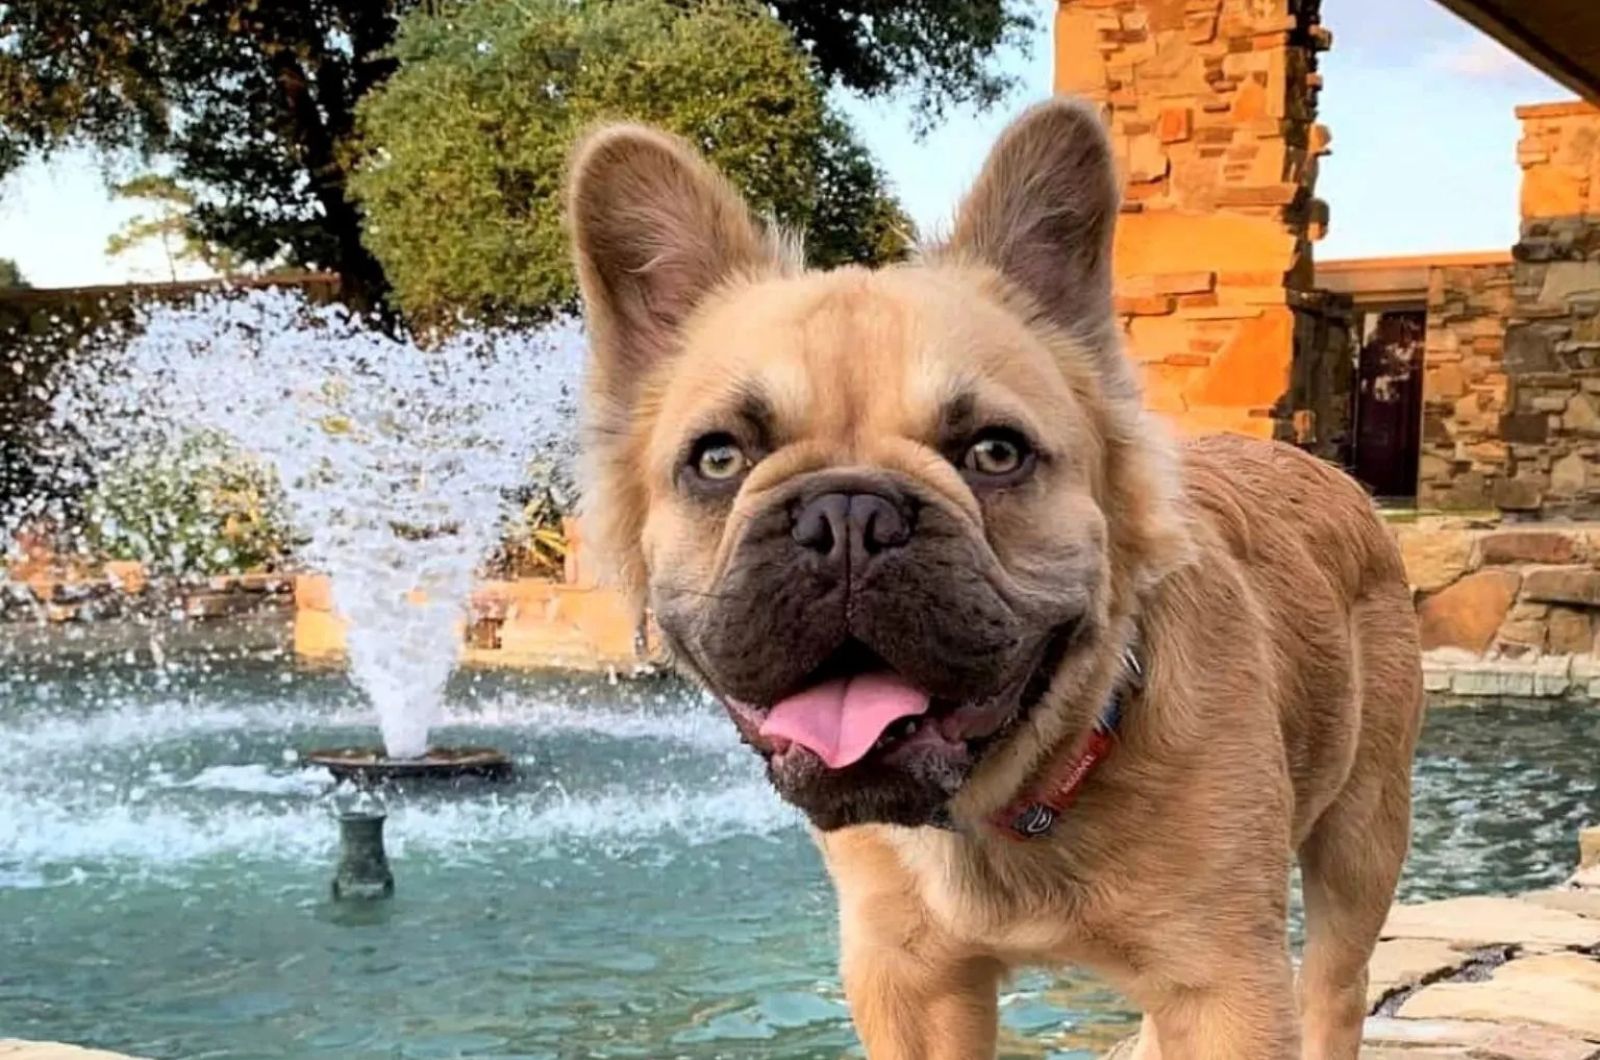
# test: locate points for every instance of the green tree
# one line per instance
(11, 275)
(852, 218)
(172, 225)
(469, 139)
(938, 51)
(253, 102)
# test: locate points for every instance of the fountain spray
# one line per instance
(398, 460)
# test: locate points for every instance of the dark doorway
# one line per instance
(1388, 414)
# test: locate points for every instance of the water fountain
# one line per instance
(397, 461)
(363, 873)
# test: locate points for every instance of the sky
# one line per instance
(1419, 103)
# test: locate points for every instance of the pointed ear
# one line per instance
(1042, 212)
(654, 230)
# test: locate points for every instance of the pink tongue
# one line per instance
(841, 720)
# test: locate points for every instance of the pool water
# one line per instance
(636, 892)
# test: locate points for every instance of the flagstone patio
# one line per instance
(1488, 978)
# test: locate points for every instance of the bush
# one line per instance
(199, 509)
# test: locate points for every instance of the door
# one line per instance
(1389, 403)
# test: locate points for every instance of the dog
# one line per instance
(1050, 688)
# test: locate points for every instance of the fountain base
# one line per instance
(363, 865)
(369, 767)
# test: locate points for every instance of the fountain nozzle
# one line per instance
(363, 873)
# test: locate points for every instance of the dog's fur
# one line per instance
(1268, 603)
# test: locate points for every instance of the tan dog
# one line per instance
(914, 530)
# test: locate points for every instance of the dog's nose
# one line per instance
(836, 525)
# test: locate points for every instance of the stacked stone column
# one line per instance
(1211, 106)
(1552, 342)
(1465, 461)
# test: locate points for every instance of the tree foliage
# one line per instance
(938, 51)
(253, 102)
(11, 275)
(469, 139)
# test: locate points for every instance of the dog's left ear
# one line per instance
(1042, 212)
(654, 230)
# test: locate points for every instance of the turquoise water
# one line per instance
(636, 892)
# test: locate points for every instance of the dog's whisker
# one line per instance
(701, 594)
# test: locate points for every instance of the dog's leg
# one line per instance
(1349, 866)
(1216, 987)
(1351, 861)
(1247, 1016)
(906, 1007)
(915, 993)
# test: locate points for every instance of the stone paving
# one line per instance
(1486, 978)
(1470, 978)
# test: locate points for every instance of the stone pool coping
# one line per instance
(1470, 978)
(17, 1049)
(1453, 675)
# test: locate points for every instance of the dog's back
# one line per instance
(1337, 610)
(1343, 669)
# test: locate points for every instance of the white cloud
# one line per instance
(1477, 57)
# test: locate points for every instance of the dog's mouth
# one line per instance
(854, 705)
(856, 709)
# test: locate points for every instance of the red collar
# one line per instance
(1034, 813)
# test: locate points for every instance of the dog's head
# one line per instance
(893, 519)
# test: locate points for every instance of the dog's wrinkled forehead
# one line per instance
(855, 365)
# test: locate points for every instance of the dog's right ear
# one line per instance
(654, 230)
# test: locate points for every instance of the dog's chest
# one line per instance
(1020, 912)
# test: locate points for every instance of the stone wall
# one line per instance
(1506, 609)
(50, 607)
(1211, 108)
(1552, 344)
(1469, 441)
(528, 623)
(533, 623)
(57, 596)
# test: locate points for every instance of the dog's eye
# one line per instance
(996, 454)
(718, 458)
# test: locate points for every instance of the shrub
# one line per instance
(199, 508)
